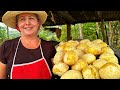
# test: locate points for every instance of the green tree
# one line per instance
(63, 33)
(3, 35)
(89, 30)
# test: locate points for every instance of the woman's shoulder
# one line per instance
(10, 42)
(13, 40)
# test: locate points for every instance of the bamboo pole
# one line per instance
(7, 32)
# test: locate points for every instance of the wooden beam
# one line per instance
(69, 32)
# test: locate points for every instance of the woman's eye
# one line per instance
(21, 19)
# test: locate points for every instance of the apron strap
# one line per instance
(45, 59)
(15, 56)
(16, 51)
(41, 50)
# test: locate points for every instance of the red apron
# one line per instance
(37, 69)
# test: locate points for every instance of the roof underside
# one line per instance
(74, 17)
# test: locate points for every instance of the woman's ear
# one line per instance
(40, 25)
(17, 28)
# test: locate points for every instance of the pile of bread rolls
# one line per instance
(85, 59)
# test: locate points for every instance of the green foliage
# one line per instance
(116, 31)
(14, 34)
(63, 33)
(3, 34)
(75, 32)
(48, 35)
(89, 30)
(10, 35)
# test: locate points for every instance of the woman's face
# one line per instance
(28, 24)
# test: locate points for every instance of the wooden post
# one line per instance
(110, 38)
(102, 30)
(58, 32)
(7, 32)
(68, 32)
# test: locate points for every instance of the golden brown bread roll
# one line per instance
(79, 65)
(60, 68)
(72, 74)
(110, 71)
(70, 58)
(90, 72)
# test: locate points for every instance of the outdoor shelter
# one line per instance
(73, 17)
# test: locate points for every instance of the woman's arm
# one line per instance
(2, 71)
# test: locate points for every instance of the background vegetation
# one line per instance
(89, 31)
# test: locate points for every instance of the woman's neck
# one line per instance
(30, 42)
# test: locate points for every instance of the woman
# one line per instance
(27, 56)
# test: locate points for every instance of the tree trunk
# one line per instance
(80, 31)
(102, 30)
(7, 32)
(110, 38)
(68, 32)
(97, 30)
